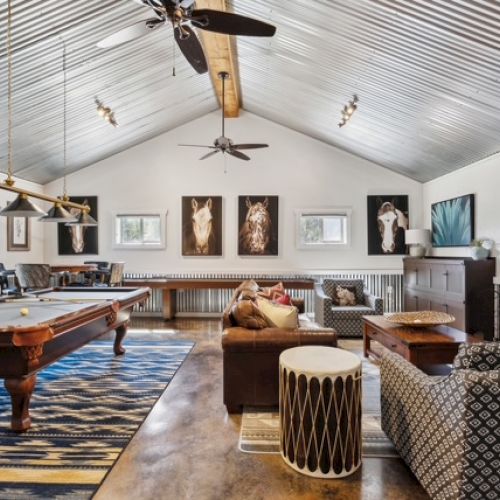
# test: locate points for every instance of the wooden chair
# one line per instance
(115, 276)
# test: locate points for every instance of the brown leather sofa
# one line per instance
(251, 358)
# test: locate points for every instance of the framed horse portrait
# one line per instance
(257, 225)
(79, 240)
(202, 226)
(387, 221)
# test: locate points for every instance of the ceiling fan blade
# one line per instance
(131, 33)
(208, 155)
(197, 146)
(237, 154)
(230, 24)
(249, 146)
(191, 48)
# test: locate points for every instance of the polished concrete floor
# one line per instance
(187, 448)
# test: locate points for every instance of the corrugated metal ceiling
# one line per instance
(134, 79)
(427, 73)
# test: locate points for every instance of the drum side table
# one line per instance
(320, 411)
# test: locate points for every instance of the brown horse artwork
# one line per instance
(79, 240)
(391, 217)
(202, 221)
(258, 225)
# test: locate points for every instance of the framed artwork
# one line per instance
(202, 226)
(387, 221)
(258, 225)
(453, 222)
(18, 234)
(79, 240)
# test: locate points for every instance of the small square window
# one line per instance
(323, 228)
(139, 230)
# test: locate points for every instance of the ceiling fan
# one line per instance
(183, 15)
(223, 144)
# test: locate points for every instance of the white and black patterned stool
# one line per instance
(320, 411)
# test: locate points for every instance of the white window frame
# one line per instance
(154, 246)
(347, 211)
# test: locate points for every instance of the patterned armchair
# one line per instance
(345, 320)
(447, 429)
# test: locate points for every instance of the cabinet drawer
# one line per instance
(456, 309)
(416, 301)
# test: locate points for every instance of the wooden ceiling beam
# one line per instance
(221, 54)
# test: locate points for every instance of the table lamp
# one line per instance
(417, 239)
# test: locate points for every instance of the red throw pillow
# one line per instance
(284, 299)
(273, 292)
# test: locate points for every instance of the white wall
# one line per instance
(481, 179)
(304, 173)
(35, 255)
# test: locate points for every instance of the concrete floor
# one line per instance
(187, 448)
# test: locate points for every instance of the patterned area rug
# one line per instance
(259, 431)
(85, 409)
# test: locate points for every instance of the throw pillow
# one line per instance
(247, 315)
(279, 315)
(272, 292)
(284, 300)
(344, 295)
(248, 285)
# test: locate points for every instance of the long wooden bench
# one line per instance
(169, 287)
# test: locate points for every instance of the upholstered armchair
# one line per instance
(346, 320)
(447, 429)
(33, 276)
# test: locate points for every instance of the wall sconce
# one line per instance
(348, 110)
(106, 113)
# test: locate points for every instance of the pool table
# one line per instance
(38, 329)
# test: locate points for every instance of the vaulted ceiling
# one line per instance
(427, 74)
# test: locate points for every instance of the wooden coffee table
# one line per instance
(420, 346)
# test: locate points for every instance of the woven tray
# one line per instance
(420, 319)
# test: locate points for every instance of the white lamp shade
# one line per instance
(417, 236)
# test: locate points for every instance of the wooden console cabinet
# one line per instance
(462, 287)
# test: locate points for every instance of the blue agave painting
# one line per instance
(453, 222)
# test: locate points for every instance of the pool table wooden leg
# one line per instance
(121, 331)
(20, 390)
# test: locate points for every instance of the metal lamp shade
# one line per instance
(22, 207)
(417, 236)
(84, 219)
(58, 214)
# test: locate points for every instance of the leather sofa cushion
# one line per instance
(246, 314)
(237, 339)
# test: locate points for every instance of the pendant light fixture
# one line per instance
(83, 219)
(58, 213)
(21, 206)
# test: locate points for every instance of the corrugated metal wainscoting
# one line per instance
(388, 285)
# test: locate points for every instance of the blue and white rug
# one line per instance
(85, 409)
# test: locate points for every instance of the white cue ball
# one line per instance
(24, 311)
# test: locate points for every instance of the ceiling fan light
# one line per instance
(22, 206)
(58, 214)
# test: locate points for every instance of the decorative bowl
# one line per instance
(420, 319)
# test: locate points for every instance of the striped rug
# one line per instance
(259, 432)
(85, 409)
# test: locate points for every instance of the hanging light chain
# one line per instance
(9, 181)
(65, 192)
